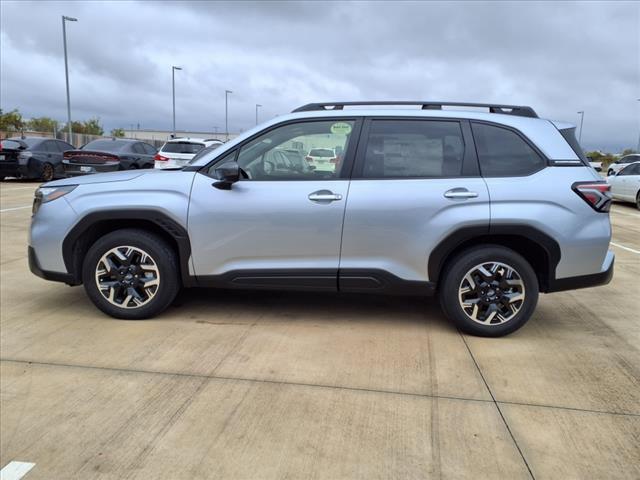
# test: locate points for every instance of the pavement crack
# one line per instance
(504, 420)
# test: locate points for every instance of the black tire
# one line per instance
(452, 283)
(48, 172)
(162, 256)
(638, 200)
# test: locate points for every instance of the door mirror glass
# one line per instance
(227, 174)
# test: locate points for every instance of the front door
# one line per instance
(281, 225)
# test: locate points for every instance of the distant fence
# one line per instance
(77, 139)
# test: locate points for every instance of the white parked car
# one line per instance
(619, 164)
(323, 159)
(625, 185)
(178, 152)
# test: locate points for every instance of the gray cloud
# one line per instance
(558, 57)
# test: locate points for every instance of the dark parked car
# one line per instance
(108, 155)
(32, 157)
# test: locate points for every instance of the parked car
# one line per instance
(483, 208)
(622, 162)
(178, 152)
(625, 185)
(596, 164)
(108, 155)
(32, 158)
(322, 159)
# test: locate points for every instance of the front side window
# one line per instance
(413, 149)
(301, 151)
(503, 153)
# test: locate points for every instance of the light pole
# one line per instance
(173, 91)
(638, 149)
(581, 113)
(257, 106)
(226, 113)
(66, 71)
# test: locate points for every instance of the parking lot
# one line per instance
(235, 384)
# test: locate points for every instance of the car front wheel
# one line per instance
(131, 274)
(489, 291)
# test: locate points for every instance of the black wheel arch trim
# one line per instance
(160, 219)
(442, 252)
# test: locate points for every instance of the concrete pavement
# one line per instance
(272, 385)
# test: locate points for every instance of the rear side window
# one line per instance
(148, 149)
(504, 153)
(138, 148)
(50, 146)
(413, 149)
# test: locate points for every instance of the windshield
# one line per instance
(182, 147)
(105, 145)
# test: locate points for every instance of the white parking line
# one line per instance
(14, 208)
(625, 248)
(15, 470)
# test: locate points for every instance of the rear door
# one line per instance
(281, 225)
(415, 182)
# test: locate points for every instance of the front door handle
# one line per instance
(460, 193)
(324, 196)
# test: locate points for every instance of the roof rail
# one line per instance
(518, 110)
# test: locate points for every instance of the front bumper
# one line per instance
(585, 281)
(35, 268)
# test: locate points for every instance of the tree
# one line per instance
(42, 124)
(117, 132)
(628, 151)
(88, 127)
(93, 127)
(11, 121)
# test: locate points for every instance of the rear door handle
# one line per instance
(460, 193)
(324, 196)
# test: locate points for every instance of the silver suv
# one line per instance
(485, 207)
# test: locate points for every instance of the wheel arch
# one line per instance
(539, 249)
(96, 224)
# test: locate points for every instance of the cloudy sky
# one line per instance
(557, 57)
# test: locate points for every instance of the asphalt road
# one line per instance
(275, 385)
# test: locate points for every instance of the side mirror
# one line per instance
(227, 174)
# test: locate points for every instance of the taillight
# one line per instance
(596, 194)
(308, 158)
(160, 158)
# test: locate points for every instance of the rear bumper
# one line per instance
(35, 268)
(75, 170)
(585, 281)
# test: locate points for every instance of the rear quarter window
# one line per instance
(504, 153)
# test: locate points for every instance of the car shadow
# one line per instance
(310, 306)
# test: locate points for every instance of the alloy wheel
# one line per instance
(491, 293)
(47, 172)
(127, 277)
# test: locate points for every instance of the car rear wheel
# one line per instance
(47, 172)
(131, 274)
(489, 291)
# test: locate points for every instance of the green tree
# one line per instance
(11, 121)
(117, 132)
(42, 124)
(628, 151)
(93, 127)
(88, 127)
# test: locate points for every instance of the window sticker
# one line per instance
(341, 128)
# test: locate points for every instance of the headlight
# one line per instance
(47, 194)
